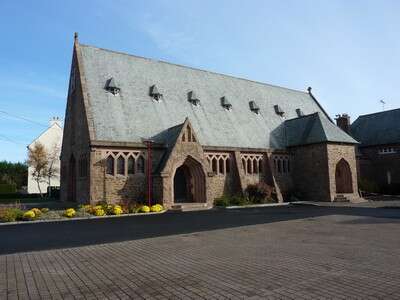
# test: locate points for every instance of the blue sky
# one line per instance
(348, 51)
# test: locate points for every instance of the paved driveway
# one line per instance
(276, 253)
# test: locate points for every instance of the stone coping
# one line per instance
(64, 219)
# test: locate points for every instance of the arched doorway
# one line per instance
(343, 178)
(72, 179)
(189, 182)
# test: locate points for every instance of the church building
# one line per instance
(137, 127)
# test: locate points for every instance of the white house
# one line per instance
(51, 139)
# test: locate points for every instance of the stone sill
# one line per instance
(81, 218)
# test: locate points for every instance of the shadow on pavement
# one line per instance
(42, 236)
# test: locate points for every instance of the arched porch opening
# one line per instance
(189, 183)
(343, 178)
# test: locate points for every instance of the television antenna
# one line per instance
(383, 104)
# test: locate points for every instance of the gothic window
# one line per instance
(221, 166)
(140, 164)
(255, 166)
(83, 166)
(121, 166)
(110, 165)
(228, 165)
(131, 165)
(284, 166)
(244, 165)
(279, 166)
(260, 166)
(214, 165)
(249, 167)
(184, 137)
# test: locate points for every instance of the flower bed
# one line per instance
(13, 214)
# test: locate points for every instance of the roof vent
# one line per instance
(112, 87)
(154, 93)
(225, 103)
(299, 112)
(279, 110)
(254, 107)
(192, 98)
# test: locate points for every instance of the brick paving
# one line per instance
(326, 257)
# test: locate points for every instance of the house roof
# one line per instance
(378, 128)
(312, 129)
(133, 114)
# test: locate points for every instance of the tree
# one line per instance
(38, 160)
(52, 169)
(13, 173)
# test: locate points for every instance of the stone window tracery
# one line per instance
(282, 164)
(220, 163)
(252, 163)
(124, 163)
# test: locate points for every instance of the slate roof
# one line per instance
(132, 114)
(378, 128)
(312, 129)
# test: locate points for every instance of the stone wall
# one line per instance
(310, 172)
(75, 140)
(376, 167)
(336, 152)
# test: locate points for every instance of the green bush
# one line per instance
(369, 186)
(11, 214)
(222, 201)
(6, 188)
(238, 201)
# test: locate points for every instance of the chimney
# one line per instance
(55, 120)
(343, 122)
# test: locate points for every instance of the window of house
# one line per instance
(228, 165)
(221, 166)
(110, 165)
(83, 166)
(284, 165)
(387, 150)
(140, 164)
(255, 166)
(260, 166)
(121, 166)
(389, 177)
(215, 165)
(131, 165)
(279, 166)
(249, 167)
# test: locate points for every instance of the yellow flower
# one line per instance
(69, 213)
(29, 215)
(36, 211)
(117, 210)
(157, 208)
(144, 209)
(99, 212)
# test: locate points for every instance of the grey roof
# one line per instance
(312, 129)
(377, 129)
(133, 114)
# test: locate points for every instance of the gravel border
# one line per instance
(64, 219)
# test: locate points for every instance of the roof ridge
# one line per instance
(379, 112)
(196, 69)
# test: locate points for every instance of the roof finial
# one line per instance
(76, 36)
(309, 89)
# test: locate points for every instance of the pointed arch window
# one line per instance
(110, 165)
(121, 165)
(131, 165)
(214, 165)
(140, 164)
(228, 165)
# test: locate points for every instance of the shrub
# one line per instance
(11, 214)
(99, 212)
(37, 212)
(238, 200)
(44, 210)
(69, 213)
(117, 210)
(368, 186)
(144, 209)
(222, 201)
(29, 215)
(156, 208)
(259, 193)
